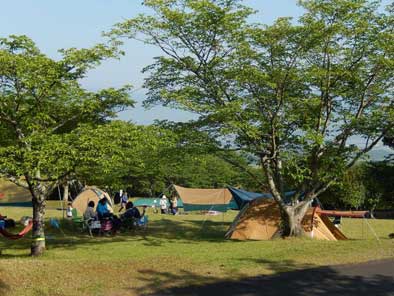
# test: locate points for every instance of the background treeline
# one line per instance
(162, 155)
(369, 185)
(176, 154)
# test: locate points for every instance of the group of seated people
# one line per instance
(104, 214)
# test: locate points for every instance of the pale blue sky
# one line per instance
(55, 24)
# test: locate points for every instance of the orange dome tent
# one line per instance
(90, 193)
(260, 220)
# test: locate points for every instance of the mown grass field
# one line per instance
(174, 251)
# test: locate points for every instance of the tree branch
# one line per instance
(17, 181)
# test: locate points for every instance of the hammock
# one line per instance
(19, 235)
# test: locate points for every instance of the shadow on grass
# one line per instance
(193, 230)
(362, 279)
(158, 232)
(278, 266)
(4, 288)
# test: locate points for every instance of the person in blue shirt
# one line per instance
(105, 213)
(103, 209)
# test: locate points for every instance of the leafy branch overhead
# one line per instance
(295, 93)
(49, 124)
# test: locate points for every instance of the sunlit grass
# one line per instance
(175, 250)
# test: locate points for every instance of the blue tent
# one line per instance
(232, 205)
(242, 197)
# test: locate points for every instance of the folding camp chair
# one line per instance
(78, 221)
(92, 226)
(143, 222)
(83, 224)
(135, 223)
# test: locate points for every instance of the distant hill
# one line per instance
(380, 153)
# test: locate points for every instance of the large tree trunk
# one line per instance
(292, 217)
(65, 192)
(38, 244)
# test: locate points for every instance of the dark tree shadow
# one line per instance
(372, 278)
(4, 288)
(158, 232)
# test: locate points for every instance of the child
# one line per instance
(123, 201)
(69, 210)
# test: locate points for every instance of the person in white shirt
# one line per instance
(163, 204)
(69, 210)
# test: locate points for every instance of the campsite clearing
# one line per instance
(175, 251)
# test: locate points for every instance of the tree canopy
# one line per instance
(49, 124)
(294, 94)
(167, 154)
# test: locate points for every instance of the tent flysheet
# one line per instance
(195, 199)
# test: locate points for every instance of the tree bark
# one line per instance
(38, 233)
(65, 192)
(292, 217)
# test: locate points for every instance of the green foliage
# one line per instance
(148, 159)
(134, 152)
(348, 192)
(291, 94)
(49, 124)
(368, 185)
(379, 182)
(389, 141)
(47, 119)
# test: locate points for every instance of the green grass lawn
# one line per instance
(174, 250)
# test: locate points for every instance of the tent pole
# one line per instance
(372, 230)
(224, 201)
(205, 219)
